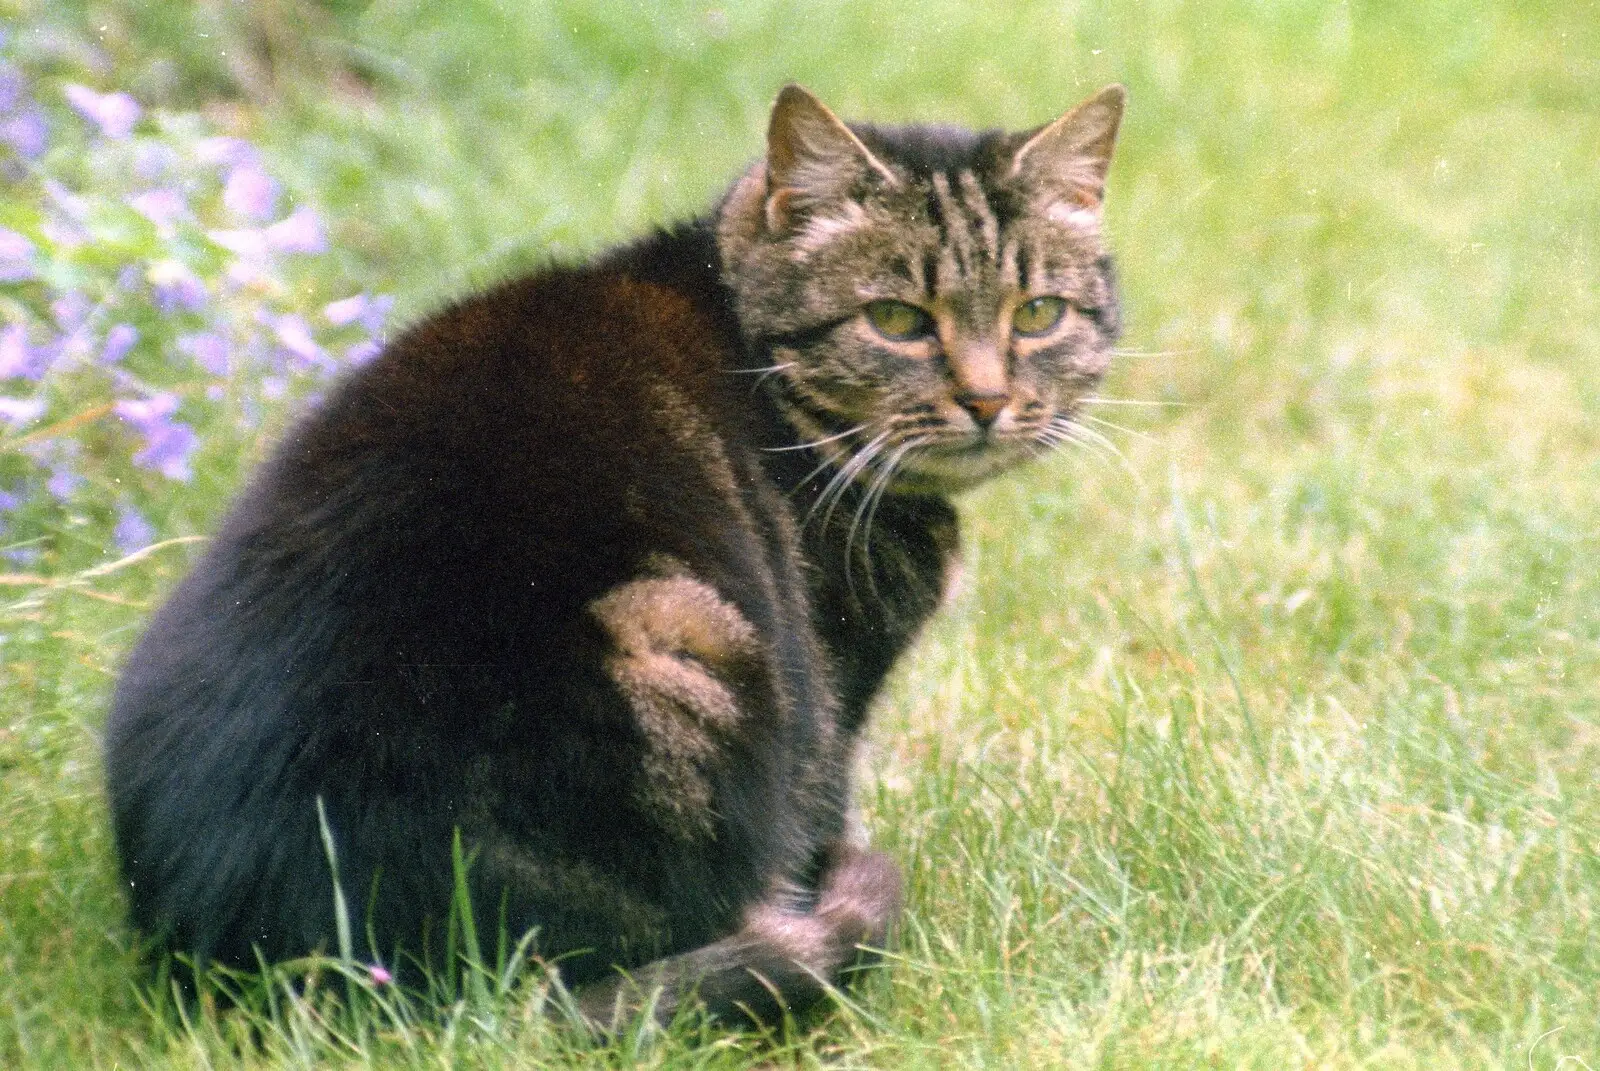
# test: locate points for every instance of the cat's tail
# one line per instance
(781, 961)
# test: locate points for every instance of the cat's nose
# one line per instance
(983, 408)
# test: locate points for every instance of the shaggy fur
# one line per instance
(601, 569)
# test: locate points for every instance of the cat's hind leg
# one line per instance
(781, 961)
(741, 776)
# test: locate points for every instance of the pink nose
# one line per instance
(984, 408)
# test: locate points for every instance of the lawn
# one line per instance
(1264, 736)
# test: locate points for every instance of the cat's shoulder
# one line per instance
(569, 332)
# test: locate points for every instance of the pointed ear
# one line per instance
(1066, 161)
(813, 159)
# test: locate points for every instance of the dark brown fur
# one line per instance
(559, 573)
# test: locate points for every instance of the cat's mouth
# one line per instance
(948, 464)
(949, 467)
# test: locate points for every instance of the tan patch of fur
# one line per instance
(675, 641)
(859, 901)
(803, 938)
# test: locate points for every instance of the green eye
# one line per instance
(1038, 315)
(899, 321)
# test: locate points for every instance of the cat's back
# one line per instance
(423, 554)
(592, 376)
(501, 464)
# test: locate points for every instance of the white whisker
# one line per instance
(852, 469)
(843, 478)
(1089, 439)
(1117, 427)
(753, 371)
(1090, 435)
(1154, 353)
(815, 442)
(881, 485)
(1097, 400)
(867, 510)
(1067, 435)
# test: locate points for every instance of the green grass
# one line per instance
(1270, 744)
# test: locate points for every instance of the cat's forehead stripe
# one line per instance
(977, 202)
(1010, 277)
(952, 231)
(969, 229)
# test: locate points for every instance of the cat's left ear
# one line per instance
(813, 159)
(1066, 161)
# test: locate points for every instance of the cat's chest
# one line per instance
(870, 599)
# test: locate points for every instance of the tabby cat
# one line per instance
(598, 571)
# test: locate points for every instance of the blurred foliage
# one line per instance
(157, 315)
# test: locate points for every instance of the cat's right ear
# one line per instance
(813, 159)
(1064, 163)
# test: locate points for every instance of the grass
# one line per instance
(1269, 743)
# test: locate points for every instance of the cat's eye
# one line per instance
(899, 321)
(1038, 316)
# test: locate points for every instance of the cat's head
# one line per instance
(937, 302)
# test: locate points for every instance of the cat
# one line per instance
(599, 571)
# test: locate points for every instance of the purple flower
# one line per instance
(223, 151)
(17, 358)
(345, 311)
(301, 232)
(161, 207)
(207, 349)
(71, 309)
(113, 113)
(119, 340)
(21, 411)
(11, 86)
(380, 974)
(16, 257)
(9, 500)
(370, 311)
(149, 413)
(246, 274)
(296, 337)
(62, 234)
(174, 286)
(167, 448)
(133, 532)
(252, 245)
(72, 206)
(27, 133)
(251, 193)
(63, 483)
(363, 351)
(376, 318)
(167, 442)
(155, 160)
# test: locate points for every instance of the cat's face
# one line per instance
(936, 303)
